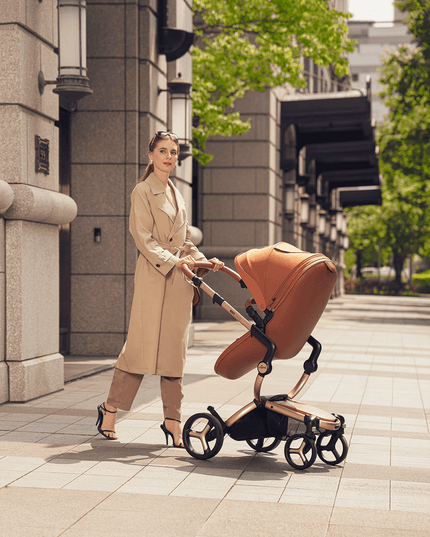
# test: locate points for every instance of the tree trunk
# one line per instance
(358, 263)
(398, 262)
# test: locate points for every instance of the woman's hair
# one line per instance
(160, 135)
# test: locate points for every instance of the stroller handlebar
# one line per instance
(209, 266)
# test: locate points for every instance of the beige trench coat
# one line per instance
(162, 302)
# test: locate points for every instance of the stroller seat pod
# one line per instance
(291, 289)
(296, 286)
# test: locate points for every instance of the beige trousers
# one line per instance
(124, 388)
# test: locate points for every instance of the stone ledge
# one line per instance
(34, 378)
(40, 205)
(4, 383)
(6, 195)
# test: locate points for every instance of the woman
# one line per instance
(161, 309)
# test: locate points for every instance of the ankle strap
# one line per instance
(110, 411)
(172, 419)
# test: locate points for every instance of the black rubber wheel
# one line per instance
(332, 449)
(203, 436)
(300, 451)
(264, 445)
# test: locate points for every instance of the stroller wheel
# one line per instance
(300, 451)
(263, 445)
(203, 436)
(331, 448)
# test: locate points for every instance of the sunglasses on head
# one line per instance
(171, 134)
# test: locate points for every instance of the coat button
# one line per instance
(157, 265)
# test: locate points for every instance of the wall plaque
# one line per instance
(42, 155)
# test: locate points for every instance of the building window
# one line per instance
(355, 77)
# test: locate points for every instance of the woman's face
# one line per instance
(165, 155)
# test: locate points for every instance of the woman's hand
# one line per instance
(189, 260)
(217, 263)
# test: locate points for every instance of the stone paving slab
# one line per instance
(58, 477)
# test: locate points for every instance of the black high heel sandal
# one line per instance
(168, 433)
(99, 423)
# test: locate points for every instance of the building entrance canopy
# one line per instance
(336, 130)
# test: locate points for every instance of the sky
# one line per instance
(371, 10)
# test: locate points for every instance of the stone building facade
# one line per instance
(66, 257)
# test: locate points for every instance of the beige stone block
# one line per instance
(33, 378)
(150, 99)
(98, 137)
(13, 141)
(4, 383)
(132, 137)
(107, 81)
(147, 31)
(104, 257)
(131, 179)
(105, 31)
(97, 344)
(48, 101)
(217, 207)
(12, 11)
(6, 195)
(2, 316)
(32, 308)
(132, 30)
(2, 245)
(223, 154)
(132, 84)
(252, 154)
(251, 207)
(232, 234)
(18, 128)
(98, 303)
(98, 189)
(40, 205)
(253, 102)
(234, 180)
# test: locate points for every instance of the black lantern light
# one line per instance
(181, 116)
(72, 82)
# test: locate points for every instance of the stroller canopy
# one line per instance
(296, 286)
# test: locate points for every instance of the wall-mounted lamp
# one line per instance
(321, 222)
(181, 114)
(346, 242)
(72, 82)
(327, 226)
(289, 199)
(333, 229)
(304, 209)
(339, 220)
(312, 224)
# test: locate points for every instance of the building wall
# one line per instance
(111, 130)
(32, 208)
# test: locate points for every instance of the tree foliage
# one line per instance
(403, 221)
(246, 45)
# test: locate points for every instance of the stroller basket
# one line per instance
(291, 289)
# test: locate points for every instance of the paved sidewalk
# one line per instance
(58, 477)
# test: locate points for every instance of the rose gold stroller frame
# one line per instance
(324, 431)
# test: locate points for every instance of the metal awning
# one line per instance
(328, 117)
(364, 195)
(343, 155)
(348, 178)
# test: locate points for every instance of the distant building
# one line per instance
(374, 40)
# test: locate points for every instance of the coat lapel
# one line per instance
(180, 218)
(160, 195)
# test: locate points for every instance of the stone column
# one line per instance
(29, 232)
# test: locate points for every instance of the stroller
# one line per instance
(291, 289)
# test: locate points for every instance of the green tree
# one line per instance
(404, 140)
(247, 45)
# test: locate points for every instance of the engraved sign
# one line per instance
(42, 155)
